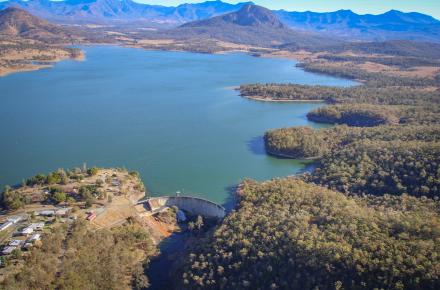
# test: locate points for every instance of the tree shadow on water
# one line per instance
(308, 167)
(231, 200)
(256, 145)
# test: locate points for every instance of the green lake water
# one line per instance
(173, 116)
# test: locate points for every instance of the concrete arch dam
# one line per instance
(193, 205)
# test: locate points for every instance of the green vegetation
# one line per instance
(369, 78)
(382, 167)
(364, 115)
(52, 188)
(379, 160)
(57, 177)
(399, 152)
(58, 195)
(374, 236)
(356, 94)
(13, 200)
(79, 258)
(297, 142)
(355, 115)
(288, 234)
(93, 171)
(319, 142)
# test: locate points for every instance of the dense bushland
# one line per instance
(380, 167)
(82, 258)
(356, 94)
(288, 234)
(305, 142)
(386, 159)
(355, 115)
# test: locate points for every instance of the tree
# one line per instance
(12, 199)
(59, 197)
(55, 178)
(88, 203)
(139, 280)
(93, 171)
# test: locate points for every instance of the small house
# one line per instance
(27, 231)
(5, 226)
(62, 211)
(115, 182)
(14, 219)
(15, 243)
(35, 237)
(37, 226)
(8, 250)
(46, 213)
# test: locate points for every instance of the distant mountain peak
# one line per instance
(254, 15)
(345, 11)
(13, 9)
(250, 15)
(393, 11)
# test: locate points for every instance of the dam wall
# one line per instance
(193, 205)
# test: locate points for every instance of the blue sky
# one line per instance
(431, 7)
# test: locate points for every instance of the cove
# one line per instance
(173, 116)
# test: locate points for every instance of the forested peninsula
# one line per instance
(366, 217)
(386, 135)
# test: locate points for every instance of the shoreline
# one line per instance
(5, 71)
(286, 156)
(8, 71)
(263, 99)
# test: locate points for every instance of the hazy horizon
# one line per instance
(429, 7)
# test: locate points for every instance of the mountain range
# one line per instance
(251, 25)
(110, 11)
(343, 23)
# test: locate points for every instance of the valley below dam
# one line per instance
(172, 116)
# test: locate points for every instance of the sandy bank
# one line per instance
(265, 99)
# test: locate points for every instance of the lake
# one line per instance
(173, 116)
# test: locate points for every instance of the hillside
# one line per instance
(15, 22)
(249, 15)
(395, 48)
(30, 43)
(387, 26)
(251, 25)
(106, 11)
(287, 234)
